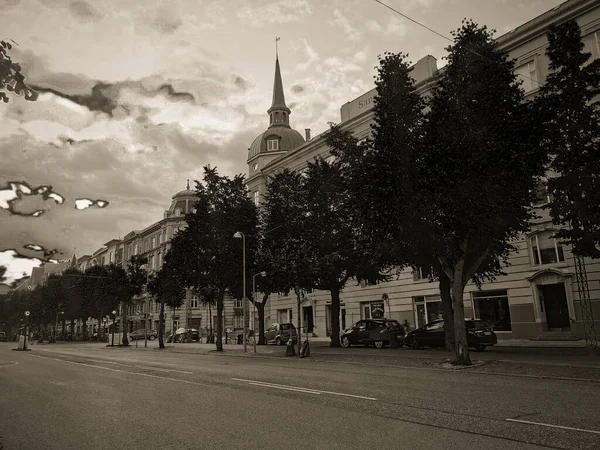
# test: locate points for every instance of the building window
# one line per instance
(159, 263)
(194, 301)
(256, 198)
(238, 303)
(238, 321)
(372, 310)
(427, 308)
(527, 73)
(422, 273)
(492, 308)
(541, 196)
(110, 257)
(255, 166)
(597, 39)
(153, 242)
(545, 249)
(272, 144)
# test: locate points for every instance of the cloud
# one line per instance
(16, 191)
(84, 203)
(297, 89)
(18, 266)
(83, 10)
(267, 12)
(356, 26)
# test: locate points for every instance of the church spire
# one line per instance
(188, 184)
(278, 112)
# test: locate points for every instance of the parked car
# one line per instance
(3, 337)
(375, 332)
(479, 335)
(180, 335)
(281, 333)
(139, 334)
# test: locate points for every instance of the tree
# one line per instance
(481, 160)
(332, 239)
(205, 254)
(125, 284)
(96, 298)
(70, 281)
(11, 78)
(285, 245)
(2, 274)
(571, 95)
(169, 290)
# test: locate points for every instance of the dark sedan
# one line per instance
(479, 335)
(375, 332)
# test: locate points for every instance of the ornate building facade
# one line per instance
(537, 298)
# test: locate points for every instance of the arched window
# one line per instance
(284, 117)
(276, 117)
(271, 117)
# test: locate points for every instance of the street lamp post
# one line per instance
(56, 326)
(262, 274)
(113, 327)
(241, 235)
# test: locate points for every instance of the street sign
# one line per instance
(26, 313)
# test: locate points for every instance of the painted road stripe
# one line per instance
(553, 426)
(142, 367)
(6, 364)
(305, 389)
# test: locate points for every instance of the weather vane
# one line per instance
(277, 38)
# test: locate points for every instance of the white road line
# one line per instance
(121, 371)
(305, 391)
(553, 426)
(262, 383)
(8, 365)
(144, 367)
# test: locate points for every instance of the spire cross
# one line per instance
(277, 38)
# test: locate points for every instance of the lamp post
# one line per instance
(113, 327)
(262, 274)
(241, 235)
(55, 326)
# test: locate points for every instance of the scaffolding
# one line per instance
(587, 314)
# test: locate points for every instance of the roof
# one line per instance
(278, 96)
(289, 139)
(185, 193)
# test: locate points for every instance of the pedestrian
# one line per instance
(406, 326)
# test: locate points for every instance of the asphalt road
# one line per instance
(84, 397)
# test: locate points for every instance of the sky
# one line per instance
(138, 96)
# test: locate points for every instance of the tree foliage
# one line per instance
(571, 96)
(165, 286)
(11, 78)
(205, 255)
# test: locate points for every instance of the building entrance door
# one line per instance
(555, 304)
(308, 319)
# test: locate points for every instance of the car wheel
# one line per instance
(345, 342)
(412, 343)
(378, 344)
(278, 341)
(152, 337)
(479, 347)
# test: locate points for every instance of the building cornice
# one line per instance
(539, 25)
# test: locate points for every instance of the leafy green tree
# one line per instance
(571, 96)
(481, 158)
(126, 284)
(205, 254)
(169, 290)
(11, 78)
(285, 246)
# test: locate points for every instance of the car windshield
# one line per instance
(286, 326)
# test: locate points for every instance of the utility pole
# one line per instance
(589, 327)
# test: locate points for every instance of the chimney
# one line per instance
(307, 131)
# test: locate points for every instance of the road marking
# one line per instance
(554, 426)
(144, 367)
(307, 390)
(2, 365)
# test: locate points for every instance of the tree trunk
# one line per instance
(125, 326)
(64, 329)
(460, 333)
(210, 324)
(299, 301)
(448, 313)
(261, 320)
(84, 327)
(161, 325)
(335, 318)
(72, 330)
(219, 339)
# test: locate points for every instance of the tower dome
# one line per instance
(183, 202)
(279, 137)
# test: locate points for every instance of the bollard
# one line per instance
(305, 353)
(289, 350)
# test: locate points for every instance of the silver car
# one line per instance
(281, 333)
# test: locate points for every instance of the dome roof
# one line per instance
(185, 193)
(288, 139)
